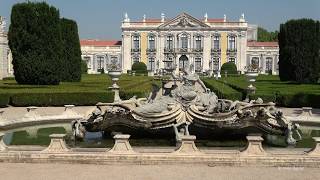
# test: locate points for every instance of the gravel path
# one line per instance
(149, 172)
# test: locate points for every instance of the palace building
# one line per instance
(6, 69)
(201, 45)
(99, 54)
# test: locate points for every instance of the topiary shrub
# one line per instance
(71, 52)
(230, 67)
(35, 41)
(139, 68)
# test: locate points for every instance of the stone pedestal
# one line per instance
(1, 115)
(121, 144)
(57, 144)
(254, 146)
(68, 110)
(187, 146)
(306, 111)
(316, 150)
(31, 113)
(3, 146)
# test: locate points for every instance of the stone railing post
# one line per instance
(254, 146)
(68, 110)
(306, 111)
(3, 146)
(57, 144)
(31, 112)
(187, 145)
(121, 144)
(1, 115)
(315, 151)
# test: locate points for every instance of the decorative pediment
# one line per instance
(184, 20)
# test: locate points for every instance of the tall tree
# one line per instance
(299, 43)
(35, 42)
(264, 35)
(71, 54)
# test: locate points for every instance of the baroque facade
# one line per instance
(6, 69)
(201, 45)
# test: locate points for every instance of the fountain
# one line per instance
(185, 102)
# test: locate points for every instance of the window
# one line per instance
(152, 42)
(169, 42)
(198, 66)
(232, 43)
(255, 62)
(87, 59)
(100, 62)
(151, 64)
(198, 42)
(136, 42)
(184, 41)
(232, 59)
(269, 65)
(215, 64)
(135, 59)
(168, 63)
(216, 42)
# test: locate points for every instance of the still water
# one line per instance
(97, 140)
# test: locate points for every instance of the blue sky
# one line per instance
(101, 19)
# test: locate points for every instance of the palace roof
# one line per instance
(93, 42)
(262, 44)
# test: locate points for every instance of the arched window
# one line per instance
(215, 63)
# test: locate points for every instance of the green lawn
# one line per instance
(94, 88)
(270, 88)
(91, 89)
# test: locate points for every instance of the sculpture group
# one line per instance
(184, 102)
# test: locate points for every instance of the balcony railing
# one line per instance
(135, 50)
(198, 50)
(215, 50)
(149, 50)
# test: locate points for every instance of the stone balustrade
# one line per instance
(306, 111)
(3, 146)
(187, 145)
(254, 146)
(121, 144)
(316, 149)
(31, 113)
(57, 144)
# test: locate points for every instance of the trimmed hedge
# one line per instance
(59, 99)
(230, 67)
(223, 91)
(139, 68)
(4, 100)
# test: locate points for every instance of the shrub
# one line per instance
(84, 67)
(71, 52)
(230, 67)
(139, 68)
(35, 41)
(299, 43)
(59, 99)
(223, 91)
(4, 100)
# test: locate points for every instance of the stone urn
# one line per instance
(251, 78)
(115, 74)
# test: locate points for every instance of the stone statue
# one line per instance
(185, 101)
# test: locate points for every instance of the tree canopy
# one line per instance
(299, 43)
(265, 36)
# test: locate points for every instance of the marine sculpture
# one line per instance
(182, 102)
